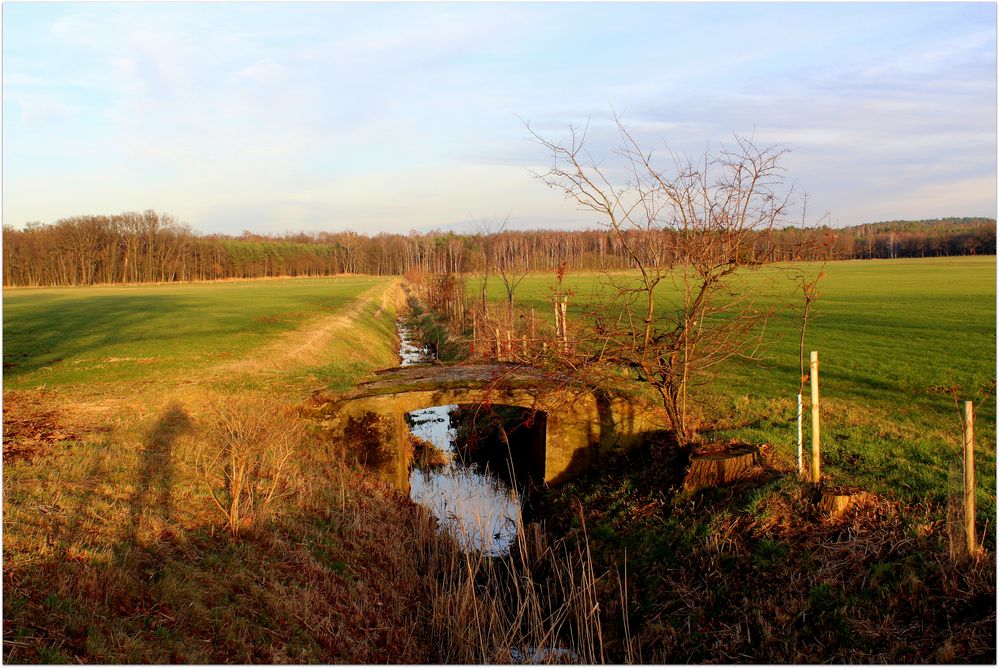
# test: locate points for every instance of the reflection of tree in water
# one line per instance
(502, 439)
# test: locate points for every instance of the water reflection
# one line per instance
(410, 352)
(479, 509)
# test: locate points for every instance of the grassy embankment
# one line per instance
(113, 550)
(753, 572)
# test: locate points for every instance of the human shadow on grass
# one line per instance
(152, 495)
(278, 592)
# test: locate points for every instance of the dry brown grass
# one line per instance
(34, 421)
(114, 552)
(538, 604)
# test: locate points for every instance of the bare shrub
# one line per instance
(244, 463)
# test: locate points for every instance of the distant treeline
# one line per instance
(155, 247)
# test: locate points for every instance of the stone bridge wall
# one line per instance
(581, 427)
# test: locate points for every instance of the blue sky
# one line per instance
(390, 117)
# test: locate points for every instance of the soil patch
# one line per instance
(31, 425)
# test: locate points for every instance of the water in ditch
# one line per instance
(470, 501)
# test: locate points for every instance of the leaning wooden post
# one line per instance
(499, 346)
(814, 374)
(969, 477)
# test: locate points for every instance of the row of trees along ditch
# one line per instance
(135, 247)
(690, 226)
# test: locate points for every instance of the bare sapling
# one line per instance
(489, 231)
(513, 262)
(810, 294)
(687, 228)
(244, 461)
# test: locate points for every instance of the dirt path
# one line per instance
(305, 344)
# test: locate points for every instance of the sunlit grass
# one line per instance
(892, 337)
(66, 336)
(113, 549)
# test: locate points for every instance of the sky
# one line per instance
(389, 117)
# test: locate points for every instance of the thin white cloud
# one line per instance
(398, 116)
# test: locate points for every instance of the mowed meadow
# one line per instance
(72, 337)
(897, 340)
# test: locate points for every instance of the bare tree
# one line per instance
(512, 265)
(489, 230)
(687, 228)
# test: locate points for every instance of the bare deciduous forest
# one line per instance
(151, 247)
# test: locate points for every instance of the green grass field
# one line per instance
(892, 337)
(58, 337)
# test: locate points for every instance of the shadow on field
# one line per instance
(61, 328)
(156, 469)
(112, 556)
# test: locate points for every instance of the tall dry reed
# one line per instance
(536, 604)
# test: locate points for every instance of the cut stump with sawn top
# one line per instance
(837, 500)
(719, 465)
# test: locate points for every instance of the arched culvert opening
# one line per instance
(508, 440)
(473, 466)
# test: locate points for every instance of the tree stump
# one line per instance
(837, 500)
(719, 467)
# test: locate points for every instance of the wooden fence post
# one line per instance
(814, 375)
(558, 320)
(969, 477)
(499, 346)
